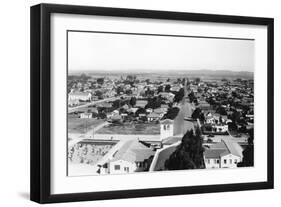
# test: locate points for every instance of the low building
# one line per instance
(80, 96)
(153, 117)
(133, 156)
(164, 107)
(175, 88)
(167, 95)
(224, 154)
(160, 111)
(115, 118)
(95, 98)
(125, 107)
(221, 128)
(133, 110)
(86, 115)
(215, 118)
(149, 110)
(203, 105)
(141, 103)
(216, 123)
(73, 102)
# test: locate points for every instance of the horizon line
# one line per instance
(165, 70)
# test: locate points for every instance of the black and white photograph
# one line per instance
(140, 103)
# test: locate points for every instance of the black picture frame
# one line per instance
(41, 99)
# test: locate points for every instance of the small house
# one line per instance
(86, 115)
(153, 117)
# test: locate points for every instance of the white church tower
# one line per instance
(166, 129)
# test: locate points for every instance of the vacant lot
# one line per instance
(77, 125)
(128, 128)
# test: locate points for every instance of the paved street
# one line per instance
(180, 124)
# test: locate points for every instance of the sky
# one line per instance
(89, 51)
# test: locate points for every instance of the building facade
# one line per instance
(81, 96)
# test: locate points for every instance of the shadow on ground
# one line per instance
(24, 195)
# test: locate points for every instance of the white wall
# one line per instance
(122, 163)
(14, 47)
(228, 158)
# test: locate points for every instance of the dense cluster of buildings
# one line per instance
(222, 109)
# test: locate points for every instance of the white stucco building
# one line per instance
(77, 95)
(132, 156)
(224, 154)
(220, 128)
(166, 129)
(86, 115)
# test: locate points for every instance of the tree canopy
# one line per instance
(160, 89)
(179, 95)
(119, 90)
(133, 101)
(154, 102)
(172, 113)
(191, 96)
(248, 152)
(100, 81)
(189, 154)
(196, 113)
(221, 110)
(98, 94)
(167, 88)
(140, 111)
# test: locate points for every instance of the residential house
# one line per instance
(167, 95)
(95, 98)
(125, 107)
(105, 105)
(86, 115)
(160, 111)
(153, 117)
(141, 103)
(115, 118)
(203, 105)
(218, 123)
(73, 102)
(165, 107)
(133, 110)
(175, 88)
(149, 110)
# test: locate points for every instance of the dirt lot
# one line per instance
(77, 125)
(128, 128)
